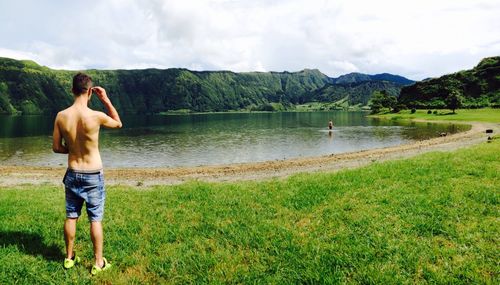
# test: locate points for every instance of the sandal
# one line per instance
(96, 269)
(70, 262)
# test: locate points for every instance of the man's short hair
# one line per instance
(81, 82)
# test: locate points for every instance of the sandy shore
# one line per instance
(19, 175)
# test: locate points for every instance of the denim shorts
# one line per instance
(88, 187)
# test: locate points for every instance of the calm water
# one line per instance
(210, 139)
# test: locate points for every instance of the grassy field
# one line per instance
(470, 115)
(429, 219)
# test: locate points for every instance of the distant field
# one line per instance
(471, 115)
(429, 219)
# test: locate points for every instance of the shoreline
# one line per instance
(145, 177)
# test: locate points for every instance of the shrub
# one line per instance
(413, 110)
(375, 108)
(429, 111)
(398, 108)
(264, 107)
(435, 112)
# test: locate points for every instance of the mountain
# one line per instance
(357, 88)
(28, 88)
(392, 78)
(480, 87)
(355, 77)
(358, 93)
(351, 78)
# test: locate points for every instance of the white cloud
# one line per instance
(15, 54)
(344, 66)
(417, 39)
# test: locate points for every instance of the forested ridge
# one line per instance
(28, 88)
(474, 88)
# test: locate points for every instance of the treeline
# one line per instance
(475, 88)
(27, 88)
(381, 100)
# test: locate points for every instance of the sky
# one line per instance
(416, 39)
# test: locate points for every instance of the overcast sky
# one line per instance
(416, 39)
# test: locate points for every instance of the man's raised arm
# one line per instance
(113, 119)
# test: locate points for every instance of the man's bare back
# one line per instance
(79, 126)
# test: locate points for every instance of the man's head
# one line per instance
(81, 84)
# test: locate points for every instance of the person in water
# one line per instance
(76, 133)
(330, 125)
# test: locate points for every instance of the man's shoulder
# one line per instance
(96, 113)
(63, 113)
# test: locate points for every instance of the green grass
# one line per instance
(469, 115)
(430, 219)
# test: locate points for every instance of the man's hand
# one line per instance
(112, 120)
(101, 94)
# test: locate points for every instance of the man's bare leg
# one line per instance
(97, 240)
(69, 235)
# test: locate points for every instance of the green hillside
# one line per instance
(355, 93)
(356, 77)
(28, 88)
(478, 87)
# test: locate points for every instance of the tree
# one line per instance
(454, 100)
(381, 99)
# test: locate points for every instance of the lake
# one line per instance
(214, 139)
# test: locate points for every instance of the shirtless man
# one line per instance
(76, 133)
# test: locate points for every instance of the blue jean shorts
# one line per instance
(88, 187)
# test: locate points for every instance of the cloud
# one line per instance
(417, 39)
(15, 54)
